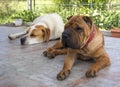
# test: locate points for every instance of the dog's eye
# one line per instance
(43, 31)
(79, 29)
(32, 35)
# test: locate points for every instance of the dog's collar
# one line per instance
(90, 38)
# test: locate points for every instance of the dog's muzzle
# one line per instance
(22, 40)
(66, 36)
(68, 41)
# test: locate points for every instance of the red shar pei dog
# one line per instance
(81, 39)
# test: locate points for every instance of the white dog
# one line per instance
(44, 28)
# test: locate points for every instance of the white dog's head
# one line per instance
(36, 34)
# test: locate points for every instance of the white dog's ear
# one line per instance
(68, 18)
(88, 20)
(46, 34)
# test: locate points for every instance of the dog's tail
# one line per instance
(16, 35)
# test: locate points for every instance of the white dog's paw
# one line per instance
(11, 37)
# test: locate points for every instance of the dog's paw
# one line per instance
(46, 51)
(63, 74)
(11, 37)
(91, 73)
(50, 53)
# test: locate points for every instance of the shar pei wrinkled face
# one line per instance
(77, 26)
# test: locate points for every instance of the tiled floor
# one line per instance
(25, 66)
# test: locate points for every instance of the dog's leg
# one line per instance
(68, 63)
(57, 45)
(51, 53)
(16, 35)
(102, 61)
(55, 50)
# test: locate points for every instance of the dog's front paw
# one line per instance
(47, 51)
(50, 53)
(63, 74)
(91, 73)
(11, 37)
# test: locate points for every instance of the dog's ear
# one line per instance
(46, 34)
(68, 18)
(88, 20)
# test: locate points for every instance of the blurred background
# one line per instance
(105, 13)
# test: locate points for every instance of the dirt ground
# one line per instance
(25, 66)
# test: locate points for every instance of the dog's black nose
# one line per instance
(66, 33)
(22, 40)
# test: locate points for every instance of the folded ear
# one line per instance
(47, 34)
(68, 18)
(88, 20)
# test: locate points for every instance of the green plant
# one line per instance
(26, 15)
(107, 20)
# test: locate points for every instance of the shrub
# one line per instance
(107, 20)
(26, 15)
(103, 19)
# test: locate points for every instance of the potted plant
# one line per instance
(18, 21)
(115, 32)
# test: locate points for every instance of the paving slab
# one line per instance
(25, 66)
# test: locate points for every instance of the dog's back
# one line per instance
(54, 22)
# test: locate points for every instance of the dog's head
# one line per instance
(36, 34)
(77, 31)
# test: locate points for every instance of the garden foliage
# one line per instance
(102, 16)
